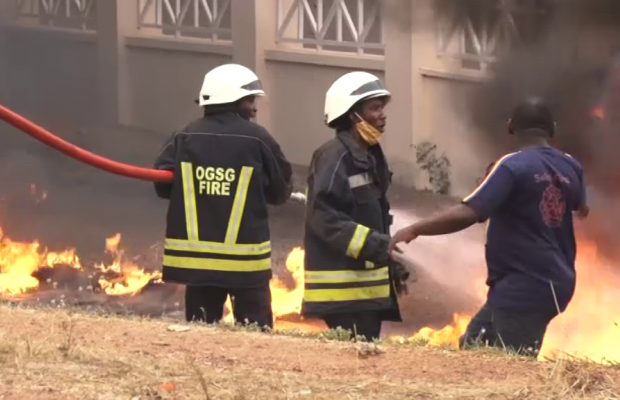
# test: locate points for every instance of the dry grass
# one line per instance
(582, 378)
(61, 354)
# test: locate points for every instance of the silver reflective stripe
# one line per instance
(360, 180)
(217, 247)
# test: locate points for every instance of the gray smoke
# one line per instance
(563, 58)
(568, 55)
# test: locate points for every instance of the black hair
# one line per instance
(532, 113)
(220, 108)
(344, 122)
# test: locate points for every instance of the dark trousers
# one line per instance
(518, 331)
(366, 324)
(250, 305)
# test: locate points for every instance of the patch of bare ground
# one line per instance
(61, 354)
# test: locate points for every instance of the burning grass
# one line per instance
(31, 274)
(63, 354)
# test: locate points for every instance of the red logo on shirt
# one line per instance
(552, 205)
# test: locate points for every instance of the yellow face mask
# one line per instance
(369, 133)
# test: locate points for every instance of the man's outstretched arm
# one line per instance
(492, 192)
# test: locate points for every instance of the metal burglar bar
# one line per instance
(67, 14)
(208, 19)
(478, 38)
(332, 25)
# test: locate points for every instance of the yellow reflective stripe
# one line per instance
(346, 276)
(369, 265)
(214, 264)
(234, 222)
(351, 294)
(189, 197)
(219, 248)
(357, 241)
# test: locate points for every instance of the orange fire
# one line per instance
(580, 331)
(590, 327)
(286, 299)
(130, 277)
(19, 261)
(447, 336)
(598, 112)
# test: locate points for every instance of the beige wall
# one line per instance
(297, 90)
(164, 84)
(143, 79)
(444, 117)
(52, 76)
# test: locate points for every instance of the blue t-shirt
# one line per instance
(528, 198)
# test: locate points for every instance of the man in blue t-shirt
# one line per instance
(528, 199)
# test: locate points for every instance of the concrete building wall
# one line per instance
(163, 84)
(139, 63)
(52, 76)
(297, 90)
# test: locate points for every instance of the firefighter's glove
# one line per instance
(401, 275)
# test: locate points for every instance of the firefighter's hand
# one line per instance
(401, 275)
(404, 235)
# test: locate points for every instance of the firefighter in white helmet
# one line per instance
(226, 170)
(350, 280)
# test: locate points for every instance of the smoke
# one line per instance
(564, 53)
(460, 270)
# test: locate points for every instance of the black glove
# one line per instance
(401, 275)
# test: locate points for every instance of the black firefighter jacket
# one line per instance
(347, 232)
(226, 170)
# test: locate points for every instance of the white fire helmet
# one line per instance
(350, 89)
(227, 84)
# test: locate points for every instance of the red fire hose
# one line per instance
(48, 138)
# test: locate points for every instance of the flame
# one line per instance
(286, 299)
(579, 331)
(598, 112)
(447, 336)
(130, 278)
(20, 261)
(590, 327)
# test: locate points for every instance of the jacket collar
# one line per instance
(230, 109)
(361, 157)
